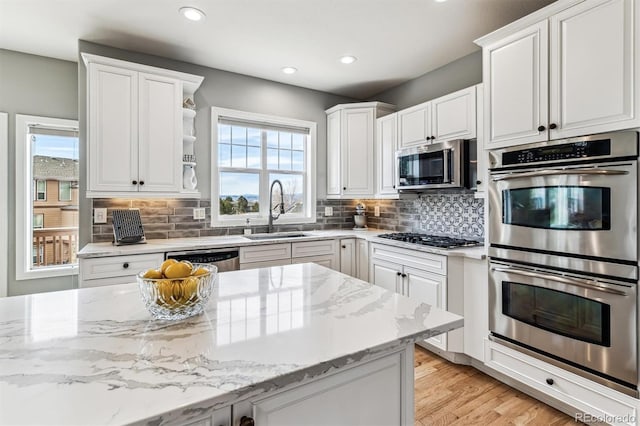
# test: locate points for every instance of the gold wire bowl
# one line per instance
(176, 299)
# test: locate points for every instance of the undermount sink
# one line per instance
(275, 235)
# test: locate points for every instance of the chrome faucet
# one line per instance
(281, 204)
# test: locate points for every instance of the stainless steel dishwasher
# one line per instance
(226, 259)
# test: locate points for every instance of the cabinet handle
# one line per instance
(141, 182)
(550, 381)
(125, 265)
(541, 128)
(246, 421)
(134, 182)
(344, 246)
(404, 275)
(398, 273)
(553, 126)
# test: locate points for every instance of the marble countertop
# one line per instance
(93, 250)
(95, 356)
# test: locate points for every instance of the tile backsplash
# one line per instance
(456, 214)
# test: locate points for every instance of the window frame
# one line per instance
(308, 176)
(36, 192)
(42, 221)
(24, 199)
(60, 183)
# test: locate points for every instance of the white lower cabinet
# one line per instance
(476, 307)
(362, 259)
(378, 392)
(412, 273)
(597, 401)
(322, 252)
(348, 263)
(328, 260)
(102, 271)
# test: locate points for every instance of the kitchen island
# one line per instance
(297, 344)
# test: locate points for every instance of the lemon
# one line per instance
(199, 271)
(189, 290)
(178, 270)
(165, 292)
(153, 274)
(166, 264)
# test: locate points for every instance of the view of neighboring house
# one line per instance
(55, 210)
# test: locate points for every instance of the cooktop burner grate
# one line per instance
(431, 240)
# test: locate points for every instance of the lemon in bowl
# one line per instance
(177, 290)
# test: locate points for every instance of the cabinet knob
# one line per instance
(125, 265)
(344, 188)
(398, 273)
(433, 138)
(404, 275)
(549, 381)
(344, 246)
(541, 128)
(478, 182)
(394, 187)
(553, 126)
(246, 421)
(134, 182)
(141, 182)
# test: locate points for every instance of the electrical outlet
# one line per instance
(376, 211)
(99, 215)
(198, 213)
(328, 211)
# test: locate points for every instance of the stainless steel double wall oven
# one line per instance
(564, 254)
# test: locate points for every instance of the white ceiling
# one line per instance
(394, 40)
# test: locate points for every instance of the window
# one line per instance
(38, 221)
(46, 155)
(40, 190)
(251, 151)
(64, 191)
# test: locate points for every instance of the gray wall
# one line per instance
(222, 89)
(461, 73)
(33, 85)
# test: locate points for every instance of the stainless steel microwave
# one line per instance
(437, 166)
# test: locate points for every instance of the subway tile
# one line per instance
(156, 235)
(138, 204)
(185, 233)
(183, 211)
(183, 203)
(107, 202)
(154, 219)
(156, 211)
(196, 225)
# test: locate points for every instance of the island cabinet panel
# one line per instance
(378, 392)
(220, 417)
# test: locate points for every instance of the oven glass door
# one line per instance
(589, 323)
(425, 168)
(580, 211)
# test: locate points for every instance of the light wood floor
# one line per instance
(451, 394)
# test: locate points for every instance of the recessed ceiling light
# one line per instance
(289, 70)
(440, 1)
(348, 59)
(192, 14)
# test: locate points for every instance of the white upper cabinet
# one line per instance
(414, 125)
(593, 68)
(573, 71)
(454, 116)
(386, 147)
(449, 117)
(516, 88)
(350, 148)
(135, 128)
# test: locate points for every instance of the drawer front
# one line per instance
(328, 260)
(435, 263)
(578, 392)
(125, 279)
(265, 264)
(118, 266)
(314, 248)
(265, 253)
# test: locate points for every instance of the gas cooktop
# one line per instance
(430, 240)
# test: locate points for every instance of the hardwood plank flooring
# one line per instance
(451, 394)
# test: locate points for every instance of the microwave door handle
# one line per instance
(572, 281)
(445, 157)
(552, 172)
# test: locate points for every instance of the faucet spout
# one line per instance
(279, 206)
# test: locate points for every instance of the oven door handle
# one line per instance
(445, 166)
(553, 172)
(573, 281)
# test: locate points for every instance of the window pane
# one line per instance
(239, 135)
(285, 140)
(254, 137)
(272, 158)
(253, 157)
(272, 139)
(224, 155)
(238, 156)
(293, 192)
(297, 161)
(54, 164)
(224, 133)
(285, 159)
(239, 193)
(298, 141)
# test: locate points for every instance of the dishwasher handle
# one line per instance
(204, 256)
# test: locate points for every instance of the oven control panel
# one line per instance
(578, 150)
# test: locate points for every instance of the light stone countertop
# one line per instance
(93, 250)
(95, 356)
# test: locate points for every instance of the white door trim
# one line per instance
(4, 200)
